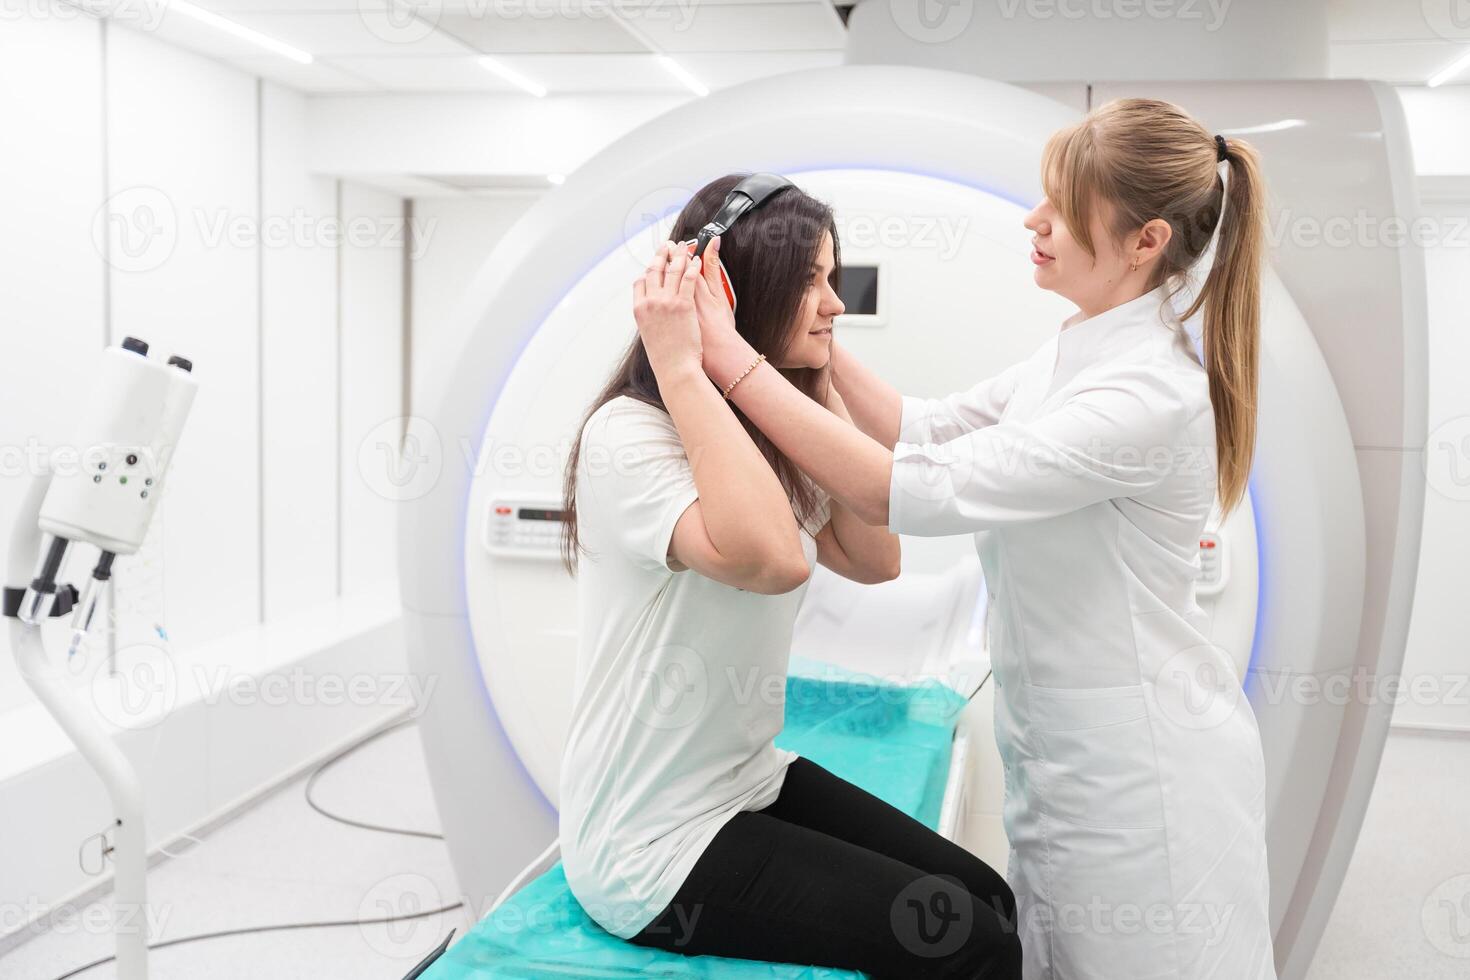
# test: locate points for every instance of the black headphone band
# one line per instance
(744, 197)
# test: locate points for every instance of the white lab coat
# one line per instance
(1133, 768)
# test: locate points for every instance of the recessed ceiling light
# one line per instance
(682, 74)
(1450, 70)
(514, 77)
(239, 30)
(1270, 127)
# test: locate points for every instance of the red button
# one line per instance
(502, 510)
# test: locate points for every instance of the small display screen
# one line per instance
(532, 514)
(859, 290)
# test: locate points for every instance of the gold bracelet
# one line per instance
(753, 365)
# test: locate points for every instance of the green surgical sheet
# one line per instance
(892, 740)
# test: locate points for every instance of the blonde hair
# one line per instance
(1144, 159)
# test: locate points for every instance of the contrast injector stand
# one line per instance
(102, 489)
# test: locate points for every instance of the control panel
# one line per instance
(1214, 564)
(523, 528)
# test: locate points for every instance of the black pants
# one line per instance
(830, 875)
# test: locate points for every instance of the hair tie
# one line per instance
(1221, 152)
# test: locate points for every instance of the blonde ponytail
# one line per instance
(1231, 299)
(1149, 159)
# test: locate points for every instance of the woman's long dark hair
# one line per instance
(769, 254)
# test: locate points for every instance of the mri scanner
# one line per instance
(1308, 584)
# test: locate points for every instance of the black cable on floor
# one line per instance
(280, 928)
(321, 769)
(330, 924)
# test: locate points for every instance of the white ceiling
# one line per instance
(1403, 41)
(610, 46)
(565, 45)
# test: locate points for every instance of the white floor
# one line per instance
(1404, 913)
(1404, 910)
(281, 862)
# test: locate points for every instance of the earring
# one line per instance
(1135, 265)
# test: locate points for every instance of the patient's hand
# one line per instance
(663, 306)
(726, 353)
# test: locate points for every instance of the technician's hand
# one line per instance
(726, 353)
(663, 305)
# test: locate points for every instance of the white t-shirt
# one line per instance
(680, 684)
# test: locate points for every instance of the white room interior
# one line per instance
(304, 232)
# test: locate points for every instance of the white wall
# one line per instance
(456, 236)
(214, 240)
(372, 410)
(156, 193)
(182, 152)
(51, 275)
(299, 378)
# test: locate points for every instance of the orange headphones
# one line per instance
(746, 196)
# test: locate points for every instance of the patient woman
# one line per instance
(682, 826)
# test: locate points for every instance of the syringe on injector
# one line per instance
(81, 620)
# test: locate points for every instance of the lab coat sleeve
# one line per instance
(1120, 437)
(926, 420)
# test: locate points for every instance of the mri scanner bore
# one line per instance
(556, 328)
